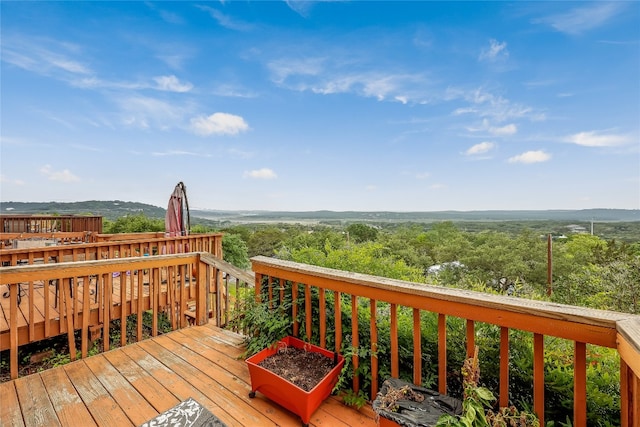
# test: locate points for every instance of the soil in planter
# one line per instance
(303, 368)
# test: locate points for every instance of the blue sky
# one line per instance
(394, 106)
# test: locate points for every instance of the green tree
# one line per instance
(266, 241)
(360, 233)
(234, 250)
(133, 224)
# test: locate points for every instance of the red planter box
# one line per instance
(285, 393)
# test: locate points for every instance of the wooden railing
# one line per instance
(60, 238)
(582, 326)
(49, 223)
(118, 246)
(229, 285)
(99, 237)
(190, 288)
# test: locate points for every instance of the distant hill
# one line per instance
(600, 215)
(112, 209)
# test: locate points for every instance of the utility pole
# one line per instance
(549, 266)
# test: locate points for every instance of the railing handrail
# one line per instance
(43, 235)
(103, 237)
(24, 273)
(222, 265)
(91, 248)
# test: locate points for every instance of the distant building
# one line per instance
(578, 229)
(435, 269)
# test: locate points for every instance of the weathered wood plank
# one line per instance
(65, 399)
(226, 373)
(179, 386)
(130, 401)
(35, 405)
(10, 414)
(101, 405)
(244, 413)
(153, 391)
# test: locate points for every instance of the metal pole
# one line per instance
(549, 266)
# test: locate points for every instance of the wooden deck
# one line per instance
(133, 384)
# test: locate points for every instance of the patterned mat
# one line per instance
(186, 414)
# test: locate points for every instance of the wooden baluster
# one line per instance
(46, 284)
(171, 295)
(538, 376)
(471, 338)
(123, 307)
(140, 306)
(338, 319)
(504, 366)
(69, 317)
(374, 348)
(393, 336)
(580, 384)
(86, 312)
(154, 291)
(13, 328)
(626, 410)
(308, 312)
(257, 285)
(417, 348)
(442, 353)
(106, 300)
(32, 323)
(355, 341)
(294, 307)
(183, 294)
(202, 313)
(322, 317)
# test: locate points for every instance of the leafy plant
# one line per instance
(477, 398)
(266, 322)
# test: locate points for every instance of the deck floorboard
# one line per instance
(132, 384)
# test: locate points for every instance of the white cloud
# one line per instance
(177, 153)
(226, 20)
(593, 139)
(506, 130)
(301, 7)
(423, 175)
(509, 129)
(64, 175)
(538, 156)
(437, 186)
(218, 124)
(172, 84)
(43, 56)
(146, 112)
(326, 76)
(370, 187)
(284, 68)
(486, 104)
(582, 19)
(5, 180)
(494, 52)
(264, 173)
(481, 148)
